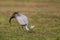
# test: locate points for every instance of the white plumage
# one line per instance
(22, 20)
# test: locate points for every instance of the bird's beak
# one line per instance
(11, 18)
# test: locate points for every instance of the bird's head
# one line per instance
(13, 16)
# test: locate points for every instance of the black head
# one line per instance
(13, 16)
(15, 13)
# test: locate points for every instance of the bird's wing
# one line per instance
(25, 19)
(20, 20)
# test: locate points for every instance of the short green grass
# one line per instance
(45, 15)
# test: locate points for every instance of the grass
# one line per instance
(36, 1)
(45, 15)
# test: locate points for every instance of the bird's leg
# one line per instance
(19, 28)
(22, 27)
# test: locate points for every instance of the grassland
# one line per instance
(44, 14)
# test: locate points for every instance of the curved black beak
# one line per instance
(11, 18)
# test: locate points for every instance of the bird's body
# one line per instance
(22, 20)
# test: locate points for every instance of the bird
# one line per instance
(22, 20)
